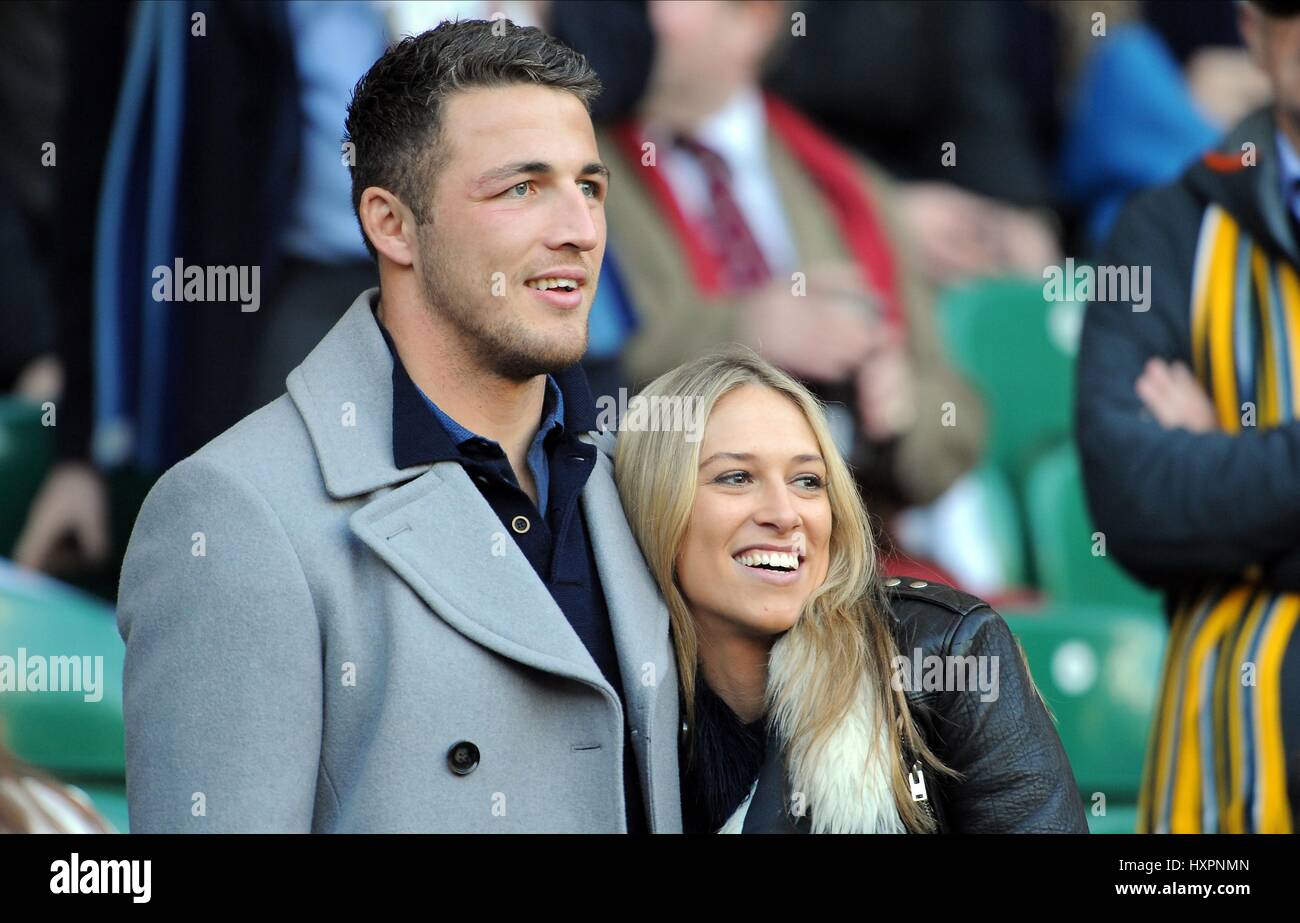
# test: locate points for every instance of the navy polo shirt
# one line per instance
(554, 535)
(538, 463)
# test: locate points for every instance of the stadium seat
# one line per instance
(1062, 534)
(998, 508)
(1098, 668)
(1119, 818)
(77, 741)
(26, 452)
(1018, 350)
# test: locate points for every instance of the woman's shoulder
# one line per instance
(935, 617)
(968, 682)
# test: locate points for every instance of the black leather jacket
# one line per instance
(1017, 777)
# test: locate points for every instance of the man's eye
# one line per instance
(594, 187)
(517, 186)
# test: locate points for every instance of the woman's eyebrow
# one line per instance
(749, 456)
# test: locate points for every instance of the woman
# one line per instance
(795, 658)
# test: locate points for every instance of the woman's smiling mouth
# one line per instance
(771, 565)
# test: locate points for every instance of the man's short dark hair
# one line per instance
(395, 116)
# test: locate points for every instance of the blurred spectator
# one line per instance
(32, 68)
(1188, 433)
(1142, 89)
(743, 204)
(920, 88)
(209, 135)
(202, 127)
(31, 802)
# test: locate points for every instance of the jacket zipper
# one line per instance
(925, 798)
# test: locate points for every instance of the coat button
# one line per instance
(893, 581)
(917, 584)
(520, 524)
(462, 758)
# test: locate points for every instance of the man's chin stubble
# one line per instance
(506, 348)
(516, 360)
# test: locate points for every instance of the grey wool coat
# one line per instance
(317, 641)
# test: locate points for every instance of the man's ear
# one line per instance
(1251, 30)
(389, 224)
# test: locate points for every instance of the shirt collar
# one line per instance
(736, 132)
(552, 415)
(415, 442)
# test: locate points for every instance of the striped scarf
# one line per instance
(1215, 761)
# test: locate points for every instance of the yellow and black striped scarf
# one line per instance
(1215, 762)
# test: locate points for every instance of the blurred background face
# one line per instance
(492, 233)
(705, 50)
(761, 488)
(1274, 45)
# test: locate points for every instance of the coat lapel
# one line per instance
(637, 614)
(639, 621)
(431, 526)
(440, 536)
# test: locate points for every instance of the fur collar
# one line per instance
(845, 786)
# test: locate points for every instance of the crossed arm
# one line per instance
(1177, 498)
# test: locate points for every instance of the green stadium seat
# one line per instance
(1018, 350)
(1062, 533)
(999, 509)
(77, 741)
(1119, 818)
(1098, 668)
(109, 799)
(26, 453)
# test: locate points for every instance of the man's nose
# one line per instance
(576, 222)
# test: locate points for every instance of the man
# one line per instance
(739, 220)
(1187, 426)
(392, 599)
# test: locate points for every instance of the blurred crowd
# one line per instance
(829, 173)
(980, 125)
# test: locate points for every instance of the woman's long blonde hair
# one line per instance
(846, 647)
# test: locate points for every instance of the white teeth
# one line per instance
(549, 282)
(770, 558)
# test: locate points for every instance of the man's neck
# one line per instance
(434, 356)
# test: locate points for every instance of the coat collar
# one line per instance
(1252, 194)
(344, 392)
(434, 530)
(352, 369)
